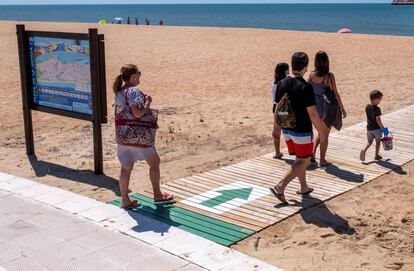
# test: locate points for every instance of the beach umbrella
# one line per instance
(103, 21)
(345, 31)
(118, 19)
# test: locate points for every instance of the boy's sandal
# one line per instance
(305, 193)
(378, 157)
(279, 196)
(313, 160)
(278, 156)
(166, 198)
(132, 204)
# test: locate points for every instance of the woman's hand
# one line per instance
(343, 113)
(148, 101)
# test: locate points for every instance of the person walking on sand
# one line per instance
(281, 71)
(328, 103)
(298, 95)
(135, 124)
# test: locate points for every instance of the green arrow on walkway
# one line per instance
(228, 195)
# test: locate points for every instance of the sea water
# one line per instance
(361, 18)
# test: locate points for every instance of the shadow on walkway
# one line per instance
(389, 165)
(312, 166)
(333, 170)
(156, 220)
(344, 174)
(43, 168)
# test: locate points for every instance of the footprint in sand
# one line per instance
(394, 265)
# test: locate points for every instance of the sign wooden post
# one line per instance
(25, 85)
(96, 100)
(63, 74)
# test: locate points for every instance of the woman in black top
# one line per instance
(322, 78)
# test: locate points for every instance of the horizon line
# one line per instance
(235, 3)
(125, 4)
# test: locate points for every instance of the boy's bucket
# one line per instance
(387, 140)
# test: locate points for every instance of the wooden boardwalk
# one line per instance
(239, 194)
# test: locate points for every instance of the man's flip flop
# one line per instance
(279, 196)
(132, 204)
(305, 193)
(166, 198)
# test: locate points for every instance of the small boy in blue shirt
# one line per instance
(374, 124)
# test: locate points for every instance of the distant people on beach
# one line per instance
(135, 125)
(281, 71)
(129, 21)
(328, 103)
(295, 113)
(375, 128)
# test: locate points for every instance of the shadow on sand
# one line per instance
(321, 216)
(316, 212)
(43, 168)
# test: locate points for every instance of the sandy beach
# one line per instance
(213, 89)
(369, 228)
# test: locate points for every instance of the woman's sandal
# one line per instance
(132, 204)
(362, 156)
(326, 164)
(166, 198)
(279, 196)
(305, 193)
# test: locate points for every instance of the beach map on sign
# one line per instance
(61, 74)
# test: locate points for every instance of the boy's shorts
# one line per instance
(299, 144)
(374, 134)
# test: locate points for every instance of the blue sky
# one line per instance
(26, 2)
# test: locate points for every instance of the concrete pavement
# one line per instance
(45, 228)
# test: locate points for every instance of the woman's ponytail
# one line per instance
(117, 84)
(126, 72)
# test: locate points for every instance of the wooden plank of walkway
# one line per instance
(217, 193)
